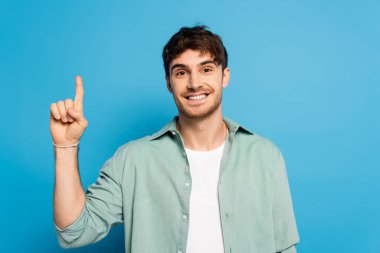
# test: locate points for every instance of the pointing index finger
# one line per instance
(78, 102)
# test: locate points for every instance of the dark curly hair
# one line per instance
(195, 38)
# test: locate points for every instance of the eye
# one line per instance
(180, 73)
(207, 70)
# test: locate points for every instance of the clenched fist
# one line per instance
(67, 122)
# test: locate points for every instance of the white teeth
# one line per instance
(197, 97)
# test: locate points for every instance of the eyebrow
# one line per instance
(179, 65)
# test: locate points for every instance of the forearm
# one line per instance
(69, 196)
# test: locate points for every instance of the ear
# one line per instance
(168, 84)
(226, 77)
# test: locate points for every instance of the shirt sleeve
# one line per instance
(284, 223)
(103, 208)
(292, 249)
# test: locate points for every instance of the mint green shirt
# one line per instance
(146, 185)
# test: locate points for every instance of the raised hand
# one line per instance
(67, 122)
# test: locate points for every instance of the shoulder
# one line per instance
(256, 142)
(265, 157)
(258, 150)
(126, 157)
(247, 138)
(134, 146)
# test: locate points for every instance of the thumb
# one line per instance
(77, 116)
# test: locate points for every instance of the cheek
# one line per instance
(218, 82)
(175, 89)
(178, 85)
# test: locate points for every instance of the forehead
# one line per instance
(191, 57)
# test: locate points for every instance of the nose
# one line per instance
(194, 81)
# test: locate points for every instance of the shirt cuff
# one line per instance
(73, 231)
(291, 249)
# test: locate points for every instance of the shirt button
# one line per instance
(179, 251)
(187, 184)
(184, 217)
(173, 132)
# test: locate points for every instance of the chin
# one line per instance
(194, 114)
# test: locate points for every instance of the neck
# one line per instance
(203, 134)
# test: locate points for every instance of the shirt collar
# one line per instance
(233, 127)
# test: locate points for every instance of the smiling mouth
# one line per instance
(198, 97)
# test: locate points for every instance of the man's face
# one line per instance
(196, 82)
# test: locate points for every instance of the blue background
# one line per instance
(304, 74)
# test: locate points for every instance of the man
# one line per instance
(200, 184)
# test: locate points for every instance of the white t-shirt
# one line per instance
(205, 232)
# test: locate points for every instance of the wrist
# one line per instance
(66, 154)
(68, 145)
